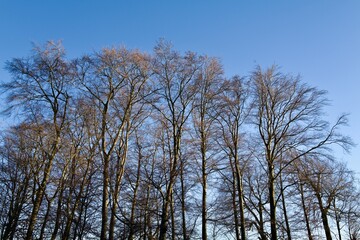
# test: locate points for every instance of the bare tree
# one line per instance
(83, 143)
(40, 87)
(232, 111)
(114, 80)
(209, 79)
(351, 214)
(17, 175)
(175, 76)
(288, 118)
(328, 181)
(120, 144)
(256, 197)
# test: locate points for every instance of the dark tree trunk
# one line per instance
(305, 210)
(236, 220)
(287, 224)
(272, 201)
(324, 218)
(105, 199)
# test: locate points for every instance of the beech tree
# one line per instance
(121, 144)
(175, 76)
(17, 176)
(328, 181)
(256, 198)
(40, 87)
(114, 80)
(232, 111)
(289, 118)
(209, 79)
(83, 143)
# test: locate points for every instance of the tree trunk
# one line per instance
(305, 209)
(43, 226)
(59, 203)
(169, 190)
(115, 202)
(324, 218)
(272, 201)
(115, 195)
(261, 222)
(105, 198)
(204, 192)
(183, 207)
(172, 210)
(165, 213)
(288, 230)
(241, 199)
(146, 218)
(236, 220)
(203, 149)
(134, 202)
(337, 219)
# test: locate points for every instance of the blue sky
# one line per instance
(318, 39)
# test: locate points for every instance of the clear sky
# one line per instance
(318, 39)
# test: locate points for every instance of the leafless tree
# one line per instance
(288, 118)
(114, 80)
(232, 111)
(175, 75)
(39, 86)
(17, 176)
(121, 144)
(209, 81)
(328, 181)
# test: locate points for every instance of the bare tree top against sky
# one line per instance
(140, 118)
(318, 39)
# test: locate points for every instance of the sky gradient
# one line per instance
(320, 40)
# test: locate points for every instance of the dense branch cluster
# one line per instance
(120, 144)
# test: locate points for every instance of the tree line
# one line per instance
(122, 144)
